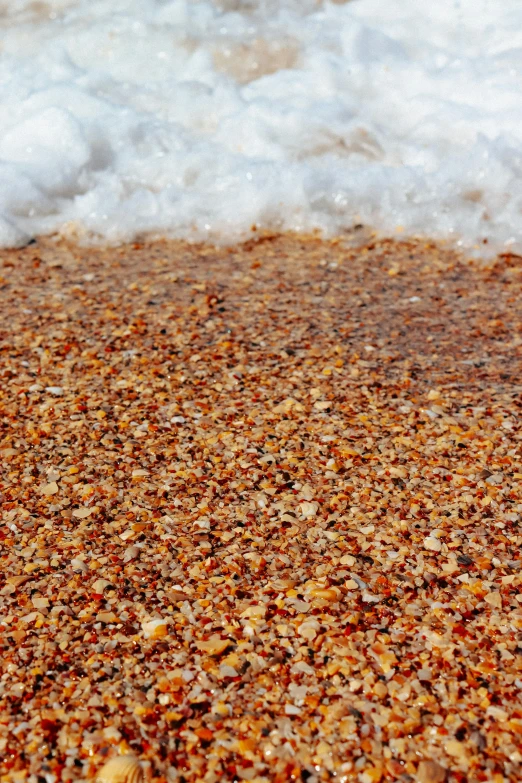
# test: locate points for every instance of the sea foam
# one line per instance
(210, 120)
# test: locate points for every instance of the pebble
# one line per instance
(430, 772)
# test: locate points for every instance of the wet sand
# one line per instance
(261, 513)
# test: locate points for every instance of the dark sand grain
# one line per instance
(261, 513)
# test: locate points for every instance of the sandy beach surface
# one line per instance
(260, 513)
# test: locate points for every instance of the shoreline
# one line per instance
(261, 512)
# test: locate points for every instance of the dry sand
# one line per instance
(261, 513)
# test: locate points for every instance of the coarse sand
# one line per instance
(261, 512)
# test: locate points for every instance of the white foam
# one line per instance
(202, 119)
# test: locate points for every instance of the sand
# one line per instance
(261, 512)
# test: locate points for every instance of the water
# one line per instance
(205, 119)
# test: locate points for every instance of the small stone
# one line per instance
(308, 632)
(494, 599)
(155, 629)
(127, 534)
(82, 513)
(227, 671)
(100, 585)
(213, 646)
(106, 617)
(322, 405)
(130, 554)
(329, 594)
(309, 509)
(433, 544)
(40, 602)
(78, 564)
(50, 489)
(430, 772)
(455, 748)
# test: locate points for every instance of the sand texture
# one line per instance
(260, 513)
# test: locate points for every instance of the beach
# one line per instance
(261, 512)
(200, 121)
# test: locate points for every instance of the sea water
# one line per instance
(218, 119)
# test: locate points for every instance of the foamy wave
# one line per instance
(204, 119)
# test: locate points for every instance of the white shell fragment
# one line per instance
(121, 769)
